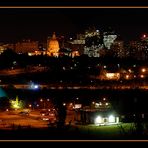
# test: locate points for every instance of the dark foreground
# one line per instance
(72, 133)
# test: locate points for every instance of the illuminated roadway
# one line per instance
(66, 86)
(62, 85)
(10, 118)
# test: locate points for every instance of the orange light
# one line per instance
(127, 76)
(143, 70)
(142, 76)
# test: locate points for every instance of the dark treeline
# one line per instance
(9, 58)
(123, 101)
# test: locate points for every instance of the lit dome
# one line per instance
(53, 47)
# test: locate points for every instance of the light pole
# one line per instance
(44, 105)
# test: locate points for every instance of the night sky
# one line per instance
(37, 24)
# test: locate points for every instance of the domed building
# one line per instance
(53, 46)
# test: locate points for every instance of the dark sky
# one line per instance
(37, 24)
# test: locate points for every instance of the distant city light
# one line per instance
(70, 104)
(143, 70)
(93, 102)
(36, 86)
(33, 86)
(97, 104)
(141, 76)
(127, 76)
(104, 99)
(130, 70)
(106, 104)
(114, 76)
(77, 106)
(144, 36)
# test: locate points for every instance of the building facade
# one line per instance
(26, 46)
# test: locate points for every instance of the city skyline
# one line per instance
(37, 24)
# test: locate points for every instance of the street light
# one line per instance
(143, 70)
(104, 99)
(30, 106)
(41, 100)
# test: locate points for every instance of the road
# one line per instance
(66, 86)
(9, 119)
(9, 72)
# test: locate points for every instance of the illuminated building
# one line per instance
(93, 51)
(41, 50)
(112, 76)
(36, 53)
(77, 44)
(53, 46)
(118, 49)
(68, 52)
(100, 113)
(109, 75)
(26, 46)
(108, 39)
(93, 43)
(106, 119)
(96, 43)
(138, 50)
(4, 47)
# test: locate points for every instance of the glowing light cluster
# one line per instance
(109, 40)
(113, 76)
(16, 104)
(99, 120)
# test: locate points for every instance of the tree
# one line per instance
(61, 115)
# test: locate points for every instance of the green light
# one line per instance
(16, 104)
